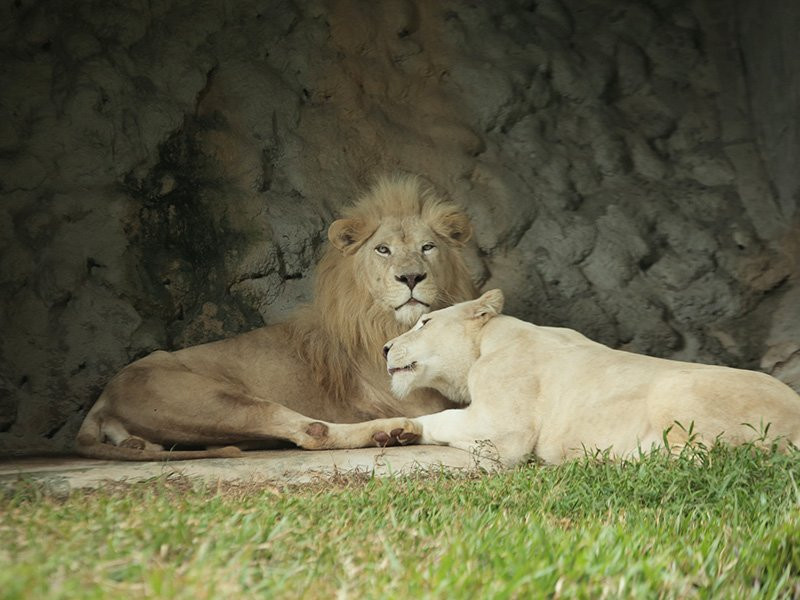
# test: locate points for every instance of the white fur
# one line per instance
(555, 393)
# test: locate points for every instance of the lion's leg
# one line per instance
(174, 405)
(262, 419)
(398, 431)
(314, 434)
(447, 428)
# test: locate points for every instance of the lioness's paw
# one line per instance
(395, 437)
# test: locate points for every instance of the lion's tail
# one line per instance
(105, 451)
(89, 443)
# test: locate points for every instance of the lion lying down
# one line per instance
(311, 381)
(555, 393)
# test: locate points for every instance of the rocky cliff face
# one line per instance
(168, 170)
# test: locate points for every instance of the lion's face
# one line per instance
(441, 348)
(405, 264)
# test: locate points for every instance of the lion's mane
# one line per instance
(340, 334)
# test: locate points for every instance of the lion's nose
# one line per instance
(386, 349)
(411, 279)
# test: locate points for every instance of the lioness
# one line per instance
(395, 256)
(554, 393)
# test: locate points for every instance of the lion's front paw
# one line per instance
(399, 436)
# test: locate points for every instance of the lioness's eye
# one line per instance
(422, 323)
(428, 247)
(383, 250)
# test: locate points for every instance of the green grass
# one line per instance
(723, 523)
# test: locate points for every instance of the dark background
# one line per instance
(168, 170)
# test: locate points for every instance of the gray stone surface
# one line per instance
(167, 172)
(772, 70)
(61, 475)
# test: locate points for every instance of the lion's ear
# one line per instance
(489, 305)
(347, 235)
(455, 227)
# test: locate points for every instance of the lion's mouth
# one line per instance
(412, 302)
(407, 369)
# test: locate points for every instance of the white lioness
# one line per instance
(394, 256)
(555, 393)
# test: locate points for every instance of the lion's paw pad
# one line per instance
(396, 437)
(408, 437)
(317, 430)
(381, 438)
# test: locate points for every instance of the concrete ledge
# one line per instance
(62, 474)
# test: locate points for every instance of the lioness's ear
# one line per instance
(454, 227)
(489, 305)
(348, 234)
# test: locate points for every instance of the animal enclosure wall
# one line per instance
(168, 170)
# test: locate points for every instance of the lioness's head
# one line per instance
(440, 349)
(402, 243)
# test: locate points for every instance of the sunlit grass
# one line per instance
(720, 523)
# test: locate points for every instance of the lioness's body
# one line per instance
(394, 258)
(555, 393)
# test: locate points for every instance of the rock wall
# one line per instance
(168, 170)
(771, 67)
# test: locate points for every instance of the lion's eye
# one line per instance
(428, 247)
(422, 323)
(383, 250)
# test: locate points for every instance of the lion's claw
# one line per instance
(381, 438)
(396, 437)
(384, 439)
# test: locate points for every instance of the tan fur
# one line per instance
(554, 393)
(327, 334)
(306, 380)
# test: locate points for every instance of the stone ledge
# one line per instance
(66, 473)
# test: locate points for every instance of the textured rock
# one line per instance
(168, 170)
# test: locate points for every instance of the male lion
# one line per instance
(553, 392)
(394, 257)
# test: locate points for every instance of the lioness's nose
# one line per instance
(386, 349)
(411, 279)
